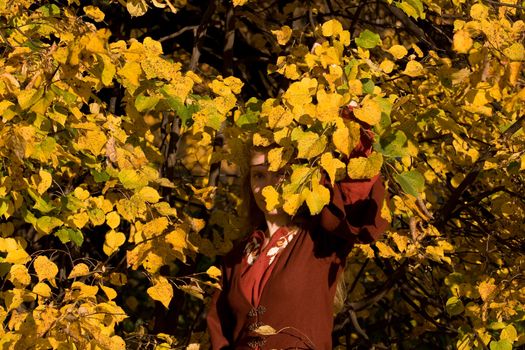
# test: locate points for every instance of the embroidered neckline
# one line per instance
(254, 246)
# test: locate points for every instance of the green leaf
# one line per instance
(412, 182)
(391, 145)
(503, 344)
(68, 97)
(454, 306)
(368, 39)
(175, 104)
(251, 116)
(70, 235)
(131, 179)
(413, 8)
(100, 176)
(49, 10)
(146, 103)
(76, 237)
(368, 86)
(40, 204)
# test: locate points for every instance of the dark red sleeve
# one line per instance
(354, 212)
(219, 318)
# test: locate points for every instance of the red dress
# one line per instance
(294, 293)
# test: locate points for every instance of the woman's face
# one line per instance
(260, 177)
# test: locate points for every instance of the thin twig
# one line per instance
(177, 33)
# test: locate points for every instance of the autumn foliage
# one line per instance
(123, 135)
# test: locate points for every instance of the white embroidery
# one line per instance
(252, 249)
(280, 245)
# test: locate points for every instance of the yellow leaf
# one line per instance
(17, 256)
(260, 140)
(94, 13)
(309, 144)
(275, 158)
(113, 219)
(271, 197)
(332, 28)
(131, 179)
(401, 241)
(45, 268)
(45, 181)
(161, 291)
(300, 92)
(117, 343)
(80, 219)
(136, 7)
(177, 239)
(462, 41)
(131, 72)
(165, 209)
(92, 141)
(328, 106)
(19, 276)
(479, 11)
(158, 225)
(110, 292)
(81, 193)
(81, 290)
(79, 270)
(292, 202)
(355, 87)
(235, 84)
(414, 69)
(346, 137)
(331, 165)
(398, 51)
(291, 71)
(509, 333)
(113, 241)
(278, 117)
(344, 37)
(365, 168)
(26, 98)
(213, 272)
(385, 251)
(514, 72)
(486, 290)
(41, 289)
(387, 66)
(149, 194)
(219, 88)
(283, 35)
(239, 2)
(369, 111)
(515, 52)
(108, 70)
(48, 223)
(317, 198)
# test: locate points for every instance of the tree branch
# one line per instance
(201, 33)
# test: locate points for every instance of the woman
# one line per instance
(284, 275)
